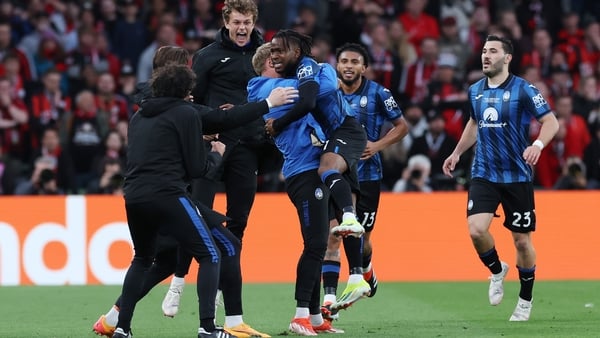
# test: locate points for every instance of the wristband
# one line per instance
(538, 144)
(269, 103)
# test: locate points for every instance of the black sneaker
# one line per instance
(119, 333)
(217, 333)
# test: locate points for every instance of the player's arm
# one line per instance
(467, 140)
(392, 136)
(306, 103)
(531, 154)
(201, 69)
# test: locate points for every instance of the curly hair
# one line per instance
(243, 6)
(173, 80)
(291, 37)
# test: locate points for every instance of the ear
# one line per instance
(508, 58)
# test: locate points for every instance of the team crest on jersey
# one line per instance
(305, 71)
(506, 96)
(319, 194)
(538, 100)
(390, 103)
(363, 101)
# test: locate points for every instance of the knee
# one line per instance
(522, 243)
(476, 231)
(143, 261)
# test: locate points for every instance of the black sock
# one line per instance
(366, 260)
(353, 249)
(341, 193)
(208, 324)
(526, 277)
(331, 274)
(491, 260)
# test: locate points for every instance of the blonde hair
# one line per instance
(262, 54)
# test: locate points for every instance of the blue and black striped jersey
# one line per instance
(503, 115)
(294, 142)
(373, 104)
(331, 109)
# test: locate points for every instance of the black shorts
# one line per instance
(368, 203)
(516, 199)
(349, 141)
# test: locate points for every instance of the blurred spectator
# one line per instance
(447, 95)
(549, 166)
(540, 55)
(203, 21)
(451, 44)
(108, 16)
(112, 107)
(418, 24)
(306, 21)
(415, 176)
(108, 166)
(127, 85)
(52, 156)
(587, 99)
(589, 50)
(10, 173)
(130, 35)
(478, 32)
(166, 35)
(416, 78)
(322, 50)
(13, 14)
(591, 158)
(13, 123)
(66, 24)
(573, 175)
(12, 71)
(349, 18)
(534, 14)
(400, 45)
(561, 80)
(385, 66)
(577, 135)
(51, 55)
(437, 145)
(85, 141)
(48, 106)
(461, 11)
(31, 42)
(6, 49)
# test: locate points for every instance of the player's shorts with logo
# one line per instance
(516, 199)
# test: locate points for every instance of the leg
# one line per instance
(240, 184)
(331, 273)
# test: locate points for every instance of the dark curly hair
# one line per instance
(173, 80)
(353, 47)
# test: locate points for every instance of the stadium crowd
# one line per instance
(69, 69)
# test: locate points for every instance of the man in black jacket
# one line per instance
(165, 152)
(223, 70)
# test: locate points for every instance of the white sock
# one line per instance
(177, 281)
(112, 316)
(316, 320)
(302, 312)
(231, 321)
(355, 278)
(329, 298)
(348, 216)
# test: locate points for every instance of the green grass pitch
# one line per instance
(448, 309)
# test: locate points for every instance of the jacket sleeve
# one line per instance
(307, 102)
(218, 120)
(192, 144)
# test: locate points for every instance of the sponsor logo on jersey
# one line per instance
(305, 71)
(390, 103)
(490, 119)
(538, 100)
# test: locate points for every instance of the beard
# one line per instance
(349, 82)
(494, 69)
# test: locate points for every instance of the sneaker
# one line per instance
(371, 278)
(102, 328)
(119, 333)
(217, 333)
(348, 228)
(329, 314)
(326, 327)
(170, 304)
(302, 326)
(522, 311)
(496, 290)
(245, 331)
(352, 293)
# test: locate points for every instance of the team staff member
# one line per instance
(223, 70)
(165, 151)
(374, 105)
(502, 106)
